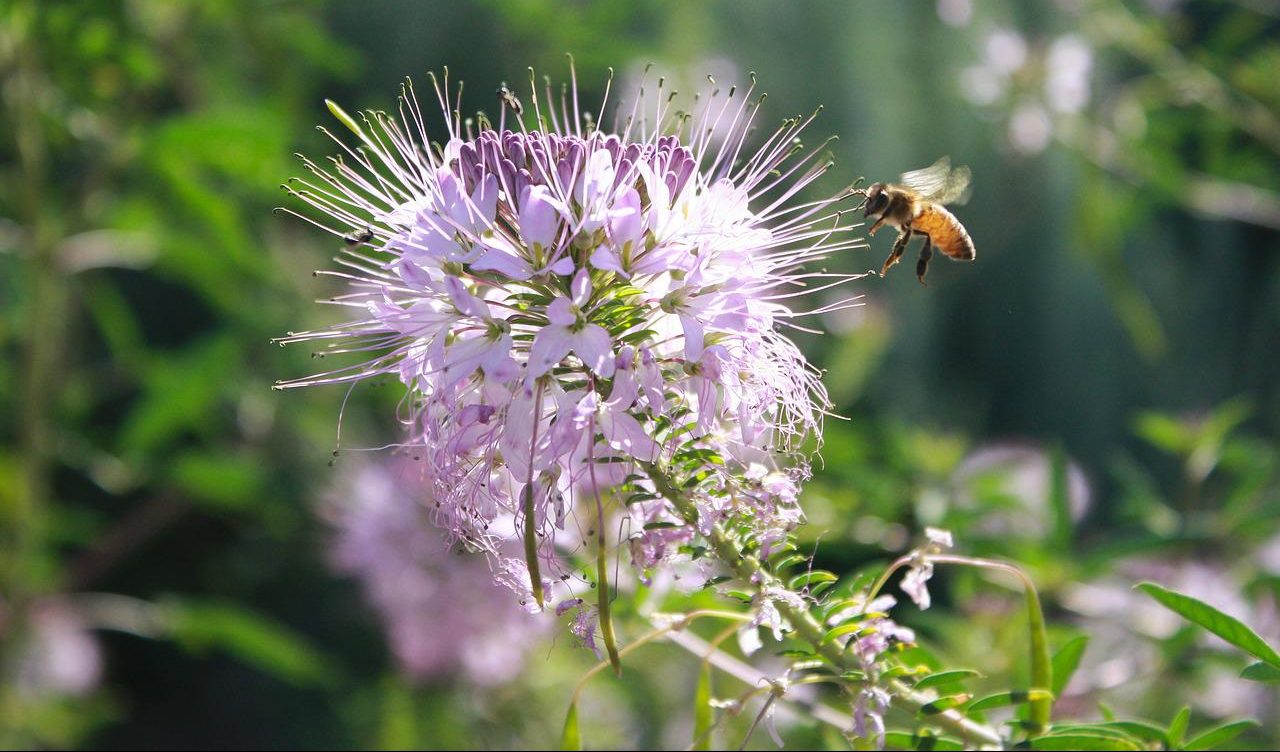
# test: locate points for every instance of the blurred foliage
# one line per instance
(1095, 398)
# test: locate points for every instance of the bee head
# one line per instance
(877, 200)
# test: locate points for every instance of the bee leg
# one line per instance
(899, 246)
(878, 224)
(922, 265)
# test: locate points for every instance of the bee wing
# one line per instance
(939, 182)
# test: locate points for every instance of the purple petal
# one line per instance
(549, 348)
(595, 348)
(539, 219)
(464, 301)
(561, 313)
(507, 264)
(604, 259)
(626, 225)
(581, 287)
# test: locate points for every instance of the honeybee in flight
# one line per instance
(915, 207)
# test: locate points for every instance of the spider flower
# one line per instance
(574, 310)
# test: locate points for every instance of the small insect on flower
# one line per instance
(509, 99)
(575, 311)
(916, 208)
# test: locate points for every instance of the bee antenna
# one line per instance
(854, 190)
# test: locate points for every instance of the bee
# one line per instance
(509, 98)
(915, 207)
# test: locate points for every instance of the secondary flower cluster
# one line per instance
(381, 536)
(573, 312)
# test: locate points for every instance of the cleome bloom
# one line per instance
(574, 312)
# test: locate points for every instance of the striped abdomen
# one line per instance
(946, 232)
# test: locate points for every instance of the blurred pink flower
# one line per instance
(439, 608)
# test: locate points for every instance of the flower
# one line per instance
(441, 614)
(61, 655)
(915, 582)
(573, 312)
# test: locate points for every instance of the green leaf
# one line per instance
(905, 740)
(1040, 707)
(1227, 627)
(942, 704)
(811, 578)
(1066, 661)
(1002, 699)
(1261, 672)
(571, 737)
(1219, 735)
(703, 713)
(1140, 730)
(249, 637)
(837, 632)
(1178, 727)
(946, 677)
(1081, 741)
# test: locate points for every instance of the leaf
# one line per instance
(703, 715)
(1227, 627)
(1040, 707)
(1178, 727)
(1219, 735)
(942, 705)
(946, 677)
(249, 637)
(920, 741)
(1002, 699)
(571, 737)
(1261, 672)
(1066, 661)
(811, 578)
(840, 631)
(1139, 730)
(1081, 741)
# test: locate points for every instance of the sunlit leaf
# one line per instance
(810, 578)
(1003, 699)
(942, 704)
(571, 738)
(946, 677)
(1066, 661)
(904, 740)
(1261, 672)
(1178, 727)
(1219, 735)
(1081, 741)
(1227, 627)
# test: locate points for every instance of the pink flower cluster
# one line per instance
(571, 310)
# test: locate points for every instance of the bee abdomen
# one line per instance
(945, 231)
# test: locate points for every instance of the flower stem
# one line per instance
(807, 627)
(530, 515)
(603, 602)
(1041, 662)
(531, 545)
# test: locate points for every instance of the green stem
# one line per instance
(530, 515)
(604, 604)
(1041, 661)
(531, 545)
(807, 627)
